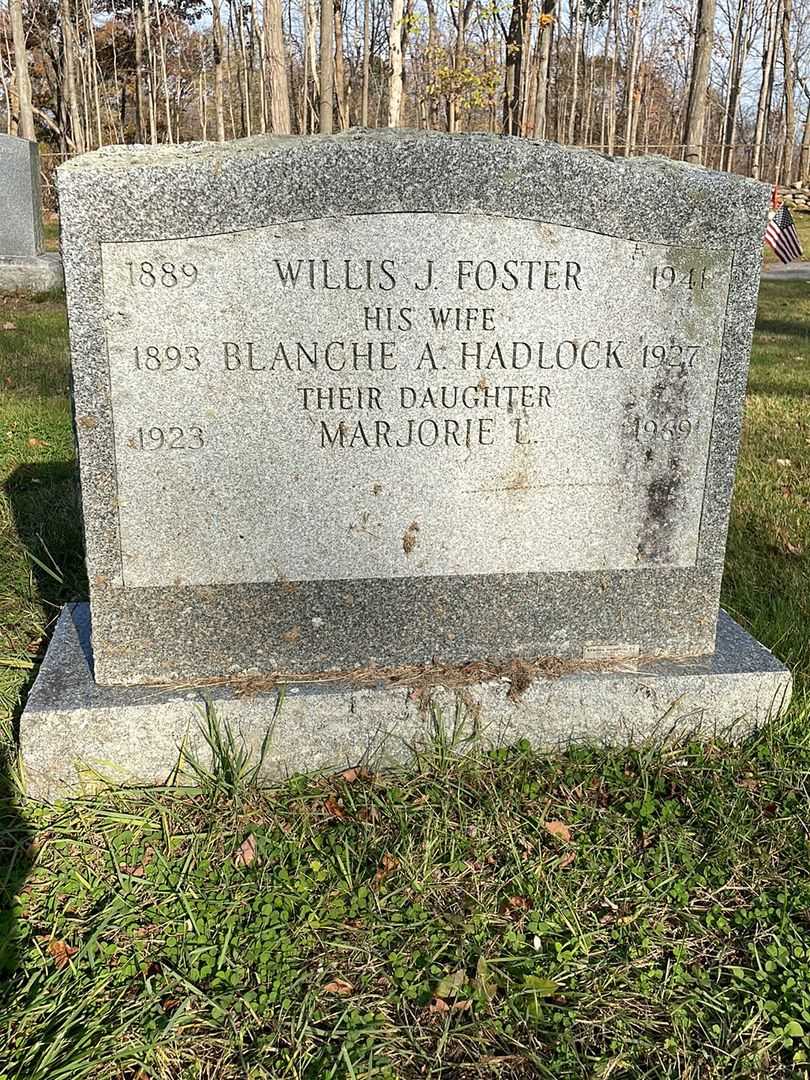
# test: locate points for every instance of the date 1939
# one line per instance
(169, 438)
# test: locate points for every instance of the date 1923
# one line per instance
(169, 438)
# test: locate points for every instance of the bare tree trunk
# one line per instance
(341, 94)
(513, 68)
(395, 63)
(612, 101)
(277, 65)
(219, 96)
(790, 90)
(630, 102)
(527, 76)
(732, 95)
(433, 48)
(69, 78)
(458, 56)
(151, 73)
(695, 129)
(26, 112)
(763, 104)
(327, 66)
(312, 54)
(366, 61)
(164, 76)
(804, 159)
(140, 111)
(572, 115)
(545, 32)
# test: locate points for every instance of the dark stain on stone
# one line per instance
(655, 539)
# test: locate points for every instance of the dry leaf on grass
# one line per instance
(388, 865)
(61, 951)
(9, 326)
(333, 808)
(558, 829)
(515, 903)
(567, 859)
(339, 986)
(246, 855)
(36, 442)
(351, 776)
(439, 1005)
(139, 869)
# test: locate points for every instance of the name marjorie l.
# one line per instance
(369, 275)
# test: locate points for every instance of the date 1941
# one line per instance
(665, 277)
(169, 438)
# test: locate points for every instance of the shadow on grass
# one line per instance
(783, 327)
(767, 588)
(776, 389)
(45, 506)
(16, 857)
(45, 503)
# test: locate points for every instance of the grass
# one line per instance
(619, 913)
(50, 233)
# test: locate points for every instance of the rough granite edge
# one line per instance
(140, 155)
(74, 732)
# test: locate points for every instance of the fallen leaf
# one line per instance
(388, 865)
(515, 903)
(351, 776)
(793, 549)
(749, 783)
(333, 808)
(169, 1004)
(567, 859)
(484, 981)
(139, 870)
(339, 986)
(37, 442)
(559, 829)
(246, 855)
(61, 951)
(9, 326)
(439, 1005)
(450, 985)
(784, 462)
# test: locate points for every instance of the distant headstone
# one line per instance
(20, 201)
(25, 267)
(389, 399)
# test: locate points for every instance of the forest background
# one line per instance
(722, 82)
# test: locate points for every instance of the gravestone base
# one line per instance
(75, 733)
(31, 274)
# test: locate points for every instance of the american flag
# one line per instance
(781, 235)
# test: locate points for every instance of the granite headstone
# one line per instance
(392, 398)
(25, 267)
(20, 200)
